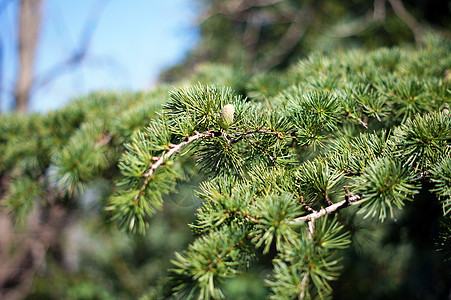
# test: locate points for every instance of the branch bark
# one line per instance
(160, 160)
(301, 21)
(327, 210)
(29, 24)
(303, 286)
(174, 149)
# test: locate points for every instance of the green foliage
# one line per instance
(332, 134)
(352, 154)
(201, 104)
(81, 159)
(22, 194)
(408, 95)
(317, 181)
(313, 113)
(262, 35)
(384, 184)
(208, 261)
(441, 176)
(272, 225)
(60, 154)
(423, 140)
(310, 262)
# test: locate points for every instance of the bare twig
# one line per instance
(160, 160)
(303, 286)
(353, 27)
(349, 198)
(80, 54)
(236, 7)
(327, 198)
(305, 206)
(364, 124)
(293, 35)
(407, 18)
(262, 130)
(311, 227)
(372, 16)
(104, 140)
(379, 10)
(316, 215)
(174, 149)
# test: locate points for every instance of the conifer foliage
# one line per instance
(286, 162)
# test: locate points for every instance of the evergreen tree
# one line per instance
(305, 169)
(260, 35)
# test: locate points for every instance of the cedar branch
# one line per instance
(174, 149)
(327, 210)
(303, 286)
(160, 160)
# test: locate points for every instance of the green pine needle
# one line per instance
(385, 185)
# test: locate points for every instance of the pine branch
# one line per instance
(160, 160)
(106, 138)
(303, 286)
(247, 203)
(241, 135)
(311, 228)
(262, 130)
(175, 149)
(327, 210)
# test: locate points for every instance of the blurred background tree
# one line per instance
(258, 35)
(30, 19)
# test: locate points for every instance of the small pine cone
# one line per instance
(226, 118)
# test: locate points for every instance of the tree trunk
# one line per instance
(29, 23)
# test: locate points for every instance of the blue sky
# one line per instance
(132, 42)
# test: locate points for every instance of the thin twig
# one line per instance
(239, 136)
(311, 227)
(174, 149)
(295, 32)
(307, 207)
(316, 215)
(160, 160)
(233, 8)
(106, 138)
(80, 54)
(327, 210)
(407, 18)
(303, 285)
(278, 134)
(326, 197)
(364, 124)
